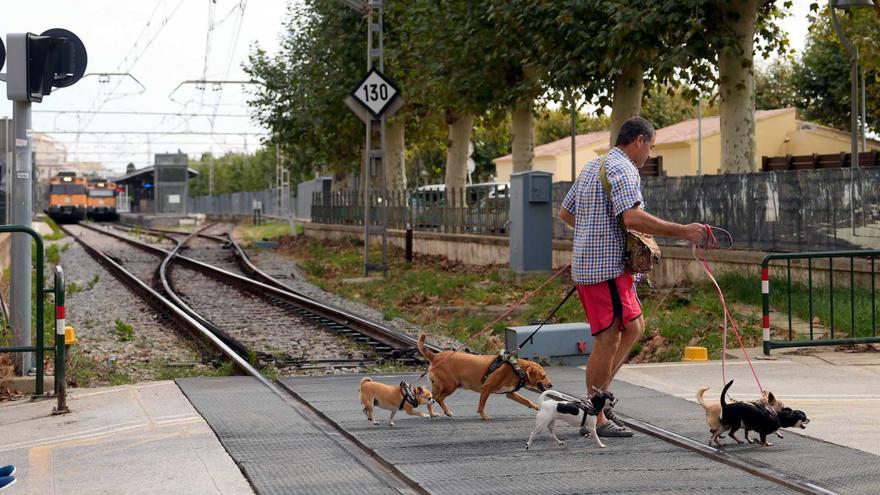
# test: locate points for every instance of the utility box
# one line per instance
(566, 344)
(531, 221)
(304, 195)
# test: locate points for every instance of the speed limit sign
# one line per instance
(375, 92)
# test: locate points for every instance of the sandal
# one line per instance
(610, 429)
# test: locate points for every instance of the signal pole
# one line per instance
(22, 211)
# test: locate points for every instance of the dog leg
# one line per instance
(409, 410)
(431, 410)
(368, 410)
(481, 408)
(591, 424)
(733, 435)
(764, 441)
(522, 400)
(552, 429)
(391, 419)
(440, 398)
(778, 434)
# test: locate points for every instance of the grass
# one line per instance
(167, 371)
(451, 299)
(123, 331)
(56, 234)
(747, 290)
(266, 231)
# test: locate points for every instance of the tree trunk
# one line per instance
(628, 88)
(522, 138)
(460, 127)
(395, 155)
(737, 88)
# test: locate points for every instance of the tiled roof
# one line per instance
(687, 130)
(564, 145)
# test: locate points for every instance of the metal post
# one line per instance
(854, 110)
(22, 211)
(573, 133)
(864, 115)
(700, 135)
(60, 380)
(374, 157)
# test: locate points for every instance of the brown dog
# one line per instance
(390, 397)
(466, 370)
(713, 410)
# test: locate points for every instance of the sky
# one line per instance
(161, 44)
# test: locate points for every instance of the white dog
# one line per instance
(583, 413)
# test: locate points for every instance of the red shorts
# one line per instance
(605, 301)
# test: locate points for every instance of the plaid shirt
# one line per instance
(597, 253)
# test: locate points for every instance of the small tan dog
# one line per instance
(465, 370)
(390, 397)
(713, 410)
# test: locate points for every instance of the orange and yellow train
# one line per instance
(101, 201)
(67, 198)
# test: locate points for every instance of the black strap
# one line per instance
(408, 396)
(529, 338)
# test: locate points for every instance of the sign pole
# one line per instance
(22, 211)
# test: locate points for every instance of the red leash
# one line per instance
(712, 243)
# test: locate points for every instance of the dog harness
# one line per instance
(408, 395)
(511, 359)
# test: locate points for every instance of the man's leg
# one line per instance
(600, 365)
(631, 334)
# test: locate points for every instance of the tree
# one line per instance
(553, 125)
(774, 86)
(235, 172)
(735, 25)
(664, 106)
(822, 75)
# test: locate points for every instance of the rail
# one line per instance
(858, 331)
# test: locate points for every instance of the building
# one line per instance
(777, 132)
(555, 157)
(50, 157)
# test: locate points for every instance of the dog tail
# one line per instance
(544, 396)
(427, 353)
(365, 380)
(700, 393)
(723, 393)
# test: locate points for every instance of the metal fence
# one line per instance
(482, 210)
(797, 210)
(274, 202)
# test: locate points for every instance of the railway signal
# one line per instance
(36, 63)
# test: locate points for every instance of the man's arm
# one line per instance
(641, 221)
(567, 217)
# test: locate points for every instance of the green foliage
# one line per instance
(56, 234)
(822, 76)
(72, 287)
(665, 106)
(552, 125)
(234, 172)
(91, 284)
(123, 331)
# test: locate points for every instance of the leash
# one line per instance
(545, 320)
(488, 327)
(712, 243)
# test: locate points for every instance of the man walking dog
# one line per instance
(605, 287)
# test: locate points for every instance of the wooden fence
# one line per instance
(815, 161)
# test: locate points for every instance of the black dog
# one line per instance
(751, 417)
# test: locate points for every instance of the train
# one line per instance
(101, 201)
(67, 198)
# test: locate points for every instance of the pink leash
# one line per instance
(712, 243)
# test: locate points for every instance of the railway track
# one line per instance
(221, 249)
(264, 323)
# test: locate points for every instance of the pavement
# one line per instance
(132, 439)
(839, 391)
(148, 438)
